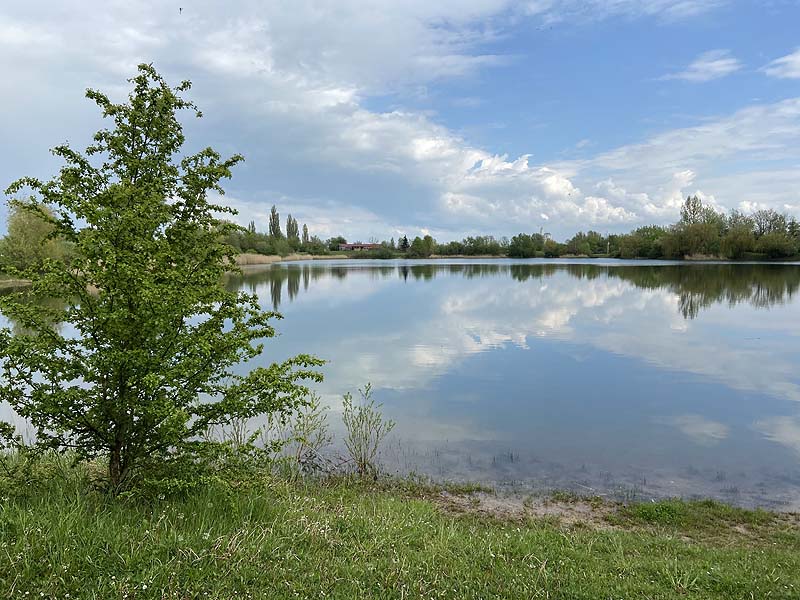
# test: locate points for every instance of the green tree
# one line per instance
(275, 223)
(30, 238)
(526, 246)
(776, 245)
(306, 239)
(292, 229)
(552, 249)
(769, 221)
(333, 243)
(403, 244)
(692, 211)
(422, 247)
(737, 241)
(147, 365)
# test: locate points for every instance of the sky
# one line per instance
(378, 118)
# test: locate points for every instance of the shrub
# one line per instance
(366, 429)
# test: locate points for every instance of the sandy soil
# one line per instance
(517, 508)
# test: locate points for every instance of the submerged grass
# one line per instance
(345, 538)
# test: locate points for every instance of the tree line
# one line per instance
(701, 231)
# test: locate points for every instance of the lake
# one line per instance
(631, 380)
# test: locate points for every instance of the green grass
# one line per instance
(274, 539)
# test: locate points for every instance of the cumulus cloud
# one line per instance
(290, 86)
(785, 67)
(782, 430)
(710, 65)
(699, 429)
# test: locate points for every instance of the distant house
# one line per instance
(360, 246)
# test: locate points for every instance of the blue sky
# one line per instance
(375, 119)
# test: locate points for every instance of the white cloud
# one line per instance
(710, 65)
(782, 430)
(290, 86)
(497, 312)
(785, 67)
(555, 11)
(699, 429)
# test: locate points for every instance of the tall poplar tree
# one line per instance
(275, 223)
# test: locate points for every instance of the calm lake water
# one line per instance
(629, 379)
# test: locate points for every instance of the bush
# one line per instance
(366, 429)
(149, 356)
(776, 245)
(737, 242)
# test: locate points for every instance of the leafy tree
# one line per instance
(645, 242)
(403, 245)
(737, 241)
(737, 218)
(776, 245)
(146, 364)
(526, 246)
(586, 243)
(793, 229)
(333, 243)
(769, 221)
(422, 247)
(306, 239)
(552, 249)
(30, 239)
(692, 211)
(275, 223)
(292, 229)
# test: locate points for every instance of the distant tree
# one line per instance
(292, 230)
(552, 249)
(644, 242)
(403, 245)
(30, 238)
(525, 246)
(793, 228)
(251, 228)
(739, 219)
(306, 239)
(422, 247)
(333, 243)
(776, 245)
(275, 223)
(151, 352)
(692, 210)
(769, 221)
(737, 241)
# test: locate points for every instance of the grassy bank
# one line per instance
(344, 539)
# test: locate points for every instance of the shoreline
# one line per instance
(249, 260)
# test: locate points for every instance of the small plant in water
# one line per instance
(309, 436)
(366, 429)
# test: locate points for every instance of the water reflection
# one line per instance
(697, 286)
(627, 378)
(622, 378)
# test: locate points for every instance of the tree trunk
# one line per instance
(115, 470)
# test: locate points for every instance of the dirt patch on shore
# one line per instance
(514, 508)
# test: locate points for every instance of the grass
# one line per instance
(345, 539)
